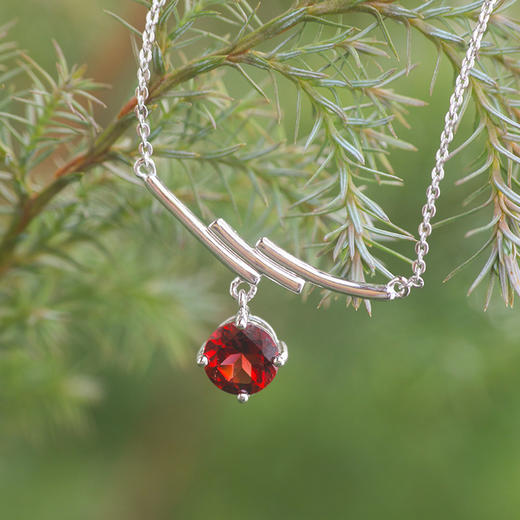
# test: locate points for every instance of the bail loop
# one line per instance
(243, 297)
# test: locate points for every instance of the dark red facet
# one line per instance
(241, 360)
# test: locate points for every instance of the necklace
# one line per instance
(243, 354)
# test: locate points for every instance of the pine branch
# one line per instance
(347, 146)
(67, 192)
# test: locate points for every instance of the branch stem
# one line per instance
(31, 205)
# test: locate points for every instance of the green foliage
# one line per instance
(220, 124)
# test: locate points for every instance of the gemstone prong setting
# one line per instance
(243, 397)
(242, 361)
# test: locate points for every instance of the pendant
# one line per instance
(243, 354)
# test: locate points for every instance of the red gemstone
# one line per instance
(241, 360)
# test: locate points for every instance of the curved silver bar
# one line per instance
(320, 278)
(267, 258)
(197, 228)
(262, 263)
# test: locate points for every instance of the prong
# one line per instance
(243, 397)
(202, 360)
(282, 357)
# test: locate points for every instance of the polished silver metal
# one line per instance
(222, 230)
(242, 317)
(320, 278)
(283, 353)
(398, 287)
(243, 297)
(235, 290)
(267, 258)
(199, 230)
(259, 322)
(243, 397)
(202, 359)
(401, 286)
(145, 166)
(281, 359)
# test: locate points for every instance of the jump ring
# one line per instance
(398, 287)
(236, 293)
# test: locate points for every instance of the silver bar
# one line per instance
(320, 278)
(197, 228)
(256, 259)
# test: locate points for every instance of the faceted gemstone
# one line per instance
(241, 360)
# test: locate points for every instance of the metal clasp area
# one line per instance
(243, 297)
(400, 286)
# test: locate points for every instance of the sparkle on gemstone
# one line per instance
(241, 360)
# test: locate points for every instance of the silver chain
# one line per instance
(399, 286)
(144, 165)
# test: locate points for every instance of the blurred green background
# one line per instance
(414, 413)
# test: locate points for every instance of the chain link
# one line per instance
(144, 166)
(401, 286)
(241, 295)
